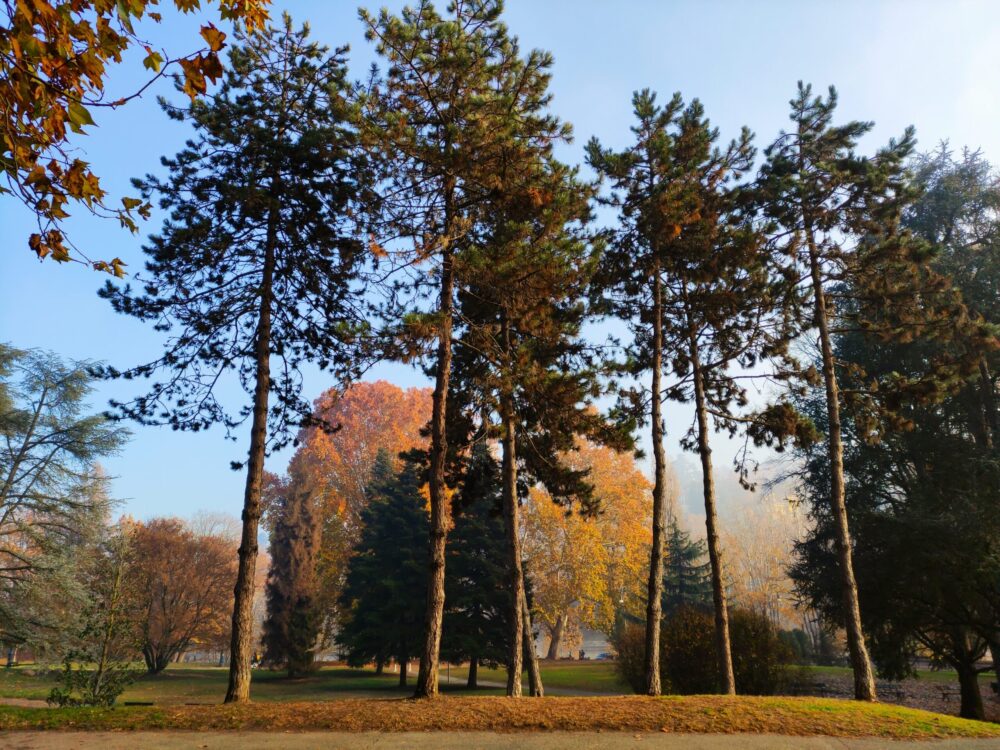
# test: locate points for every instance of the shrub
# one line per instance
(687, 653)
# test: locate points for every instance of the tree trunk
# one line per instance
(404, 664)
(995, 655)
(990, 409)
(555, 637)
(379, 666)
(534, 673)
(972, 699)
(472, 682)
(864, 678)
(654, 588)
(241, 646)
(222, 658)
(723, 649)
(511, 527)
(11, 656)
(427, 677)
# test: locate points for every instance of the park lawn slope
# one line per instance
(688, 714)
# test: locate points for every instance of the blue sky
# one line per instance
(935, 65)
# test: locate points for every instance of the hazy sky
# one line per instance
(935, 65)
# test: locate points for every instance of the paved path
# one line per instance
(453, 741)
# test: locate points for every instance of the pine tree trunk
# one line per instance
(555, 638)
(864, 678)
(723, 648)
(534, 673)
(511, 527)
(427, 677)
(241, 646)
(472, 682)
(654, 588)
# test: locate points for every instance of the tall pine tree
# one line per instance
(477, 616)
(838, 225)
(255, 264)
(385, 588)
(292, 625)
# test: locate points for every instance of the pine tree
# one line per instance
(385, 588)
(477, 617)
(255, 265)
(838, 216)
(458, 112)
(292, 626)
(687, 578)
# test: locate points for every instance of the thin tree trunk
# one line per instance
(654, 588)
(511, 527)
(241, 646)
(864, 678)
(11, 656)
(989, 399)
(994, 644)
(403, 666)
(472, 682)
(379, 666)
(555, 638)
(723, 649)
(534, 673)
(427, 677)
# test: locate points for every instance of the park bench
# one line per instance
(895, 689)
(948, 692)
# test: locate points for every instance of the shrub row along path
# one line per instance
(458, 741)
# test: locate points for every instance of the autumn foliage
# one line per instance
(54, 59)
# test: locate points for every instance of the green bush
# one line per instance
(687, 653)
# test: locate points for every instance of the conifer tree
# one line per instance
(687, 578)
(256, 264)
(458, 103)
(477, 616)
(840, 239)
(292, 625)
(384, 593)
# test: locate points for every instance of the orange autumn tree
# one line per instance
(54, 58)
(334, 468)
(586, 571)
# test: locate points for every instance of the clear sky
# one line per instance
(932, 64)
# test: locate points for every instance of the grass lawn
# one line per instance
(688, 714)
(181, 684)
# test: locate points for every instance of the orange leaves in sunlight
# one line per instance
(54, 61)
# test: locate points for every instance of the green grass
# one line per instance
(181, 684)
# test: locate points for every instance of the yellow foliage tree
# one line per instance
(586, 571)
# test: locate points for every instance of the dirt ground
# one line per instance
(453, 741)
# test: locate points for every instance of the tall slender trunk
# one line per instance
(11, 656)
(989, 399)
(534, 673)
(555, 637)
(654, 588)
(241, 646)
(427, 677)
(864, 678)
(995, 655)
(512, 530)
(473, 681)
(723, 648)
(404, 663)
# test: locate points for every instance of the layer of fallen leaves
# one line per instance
(689, 714)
